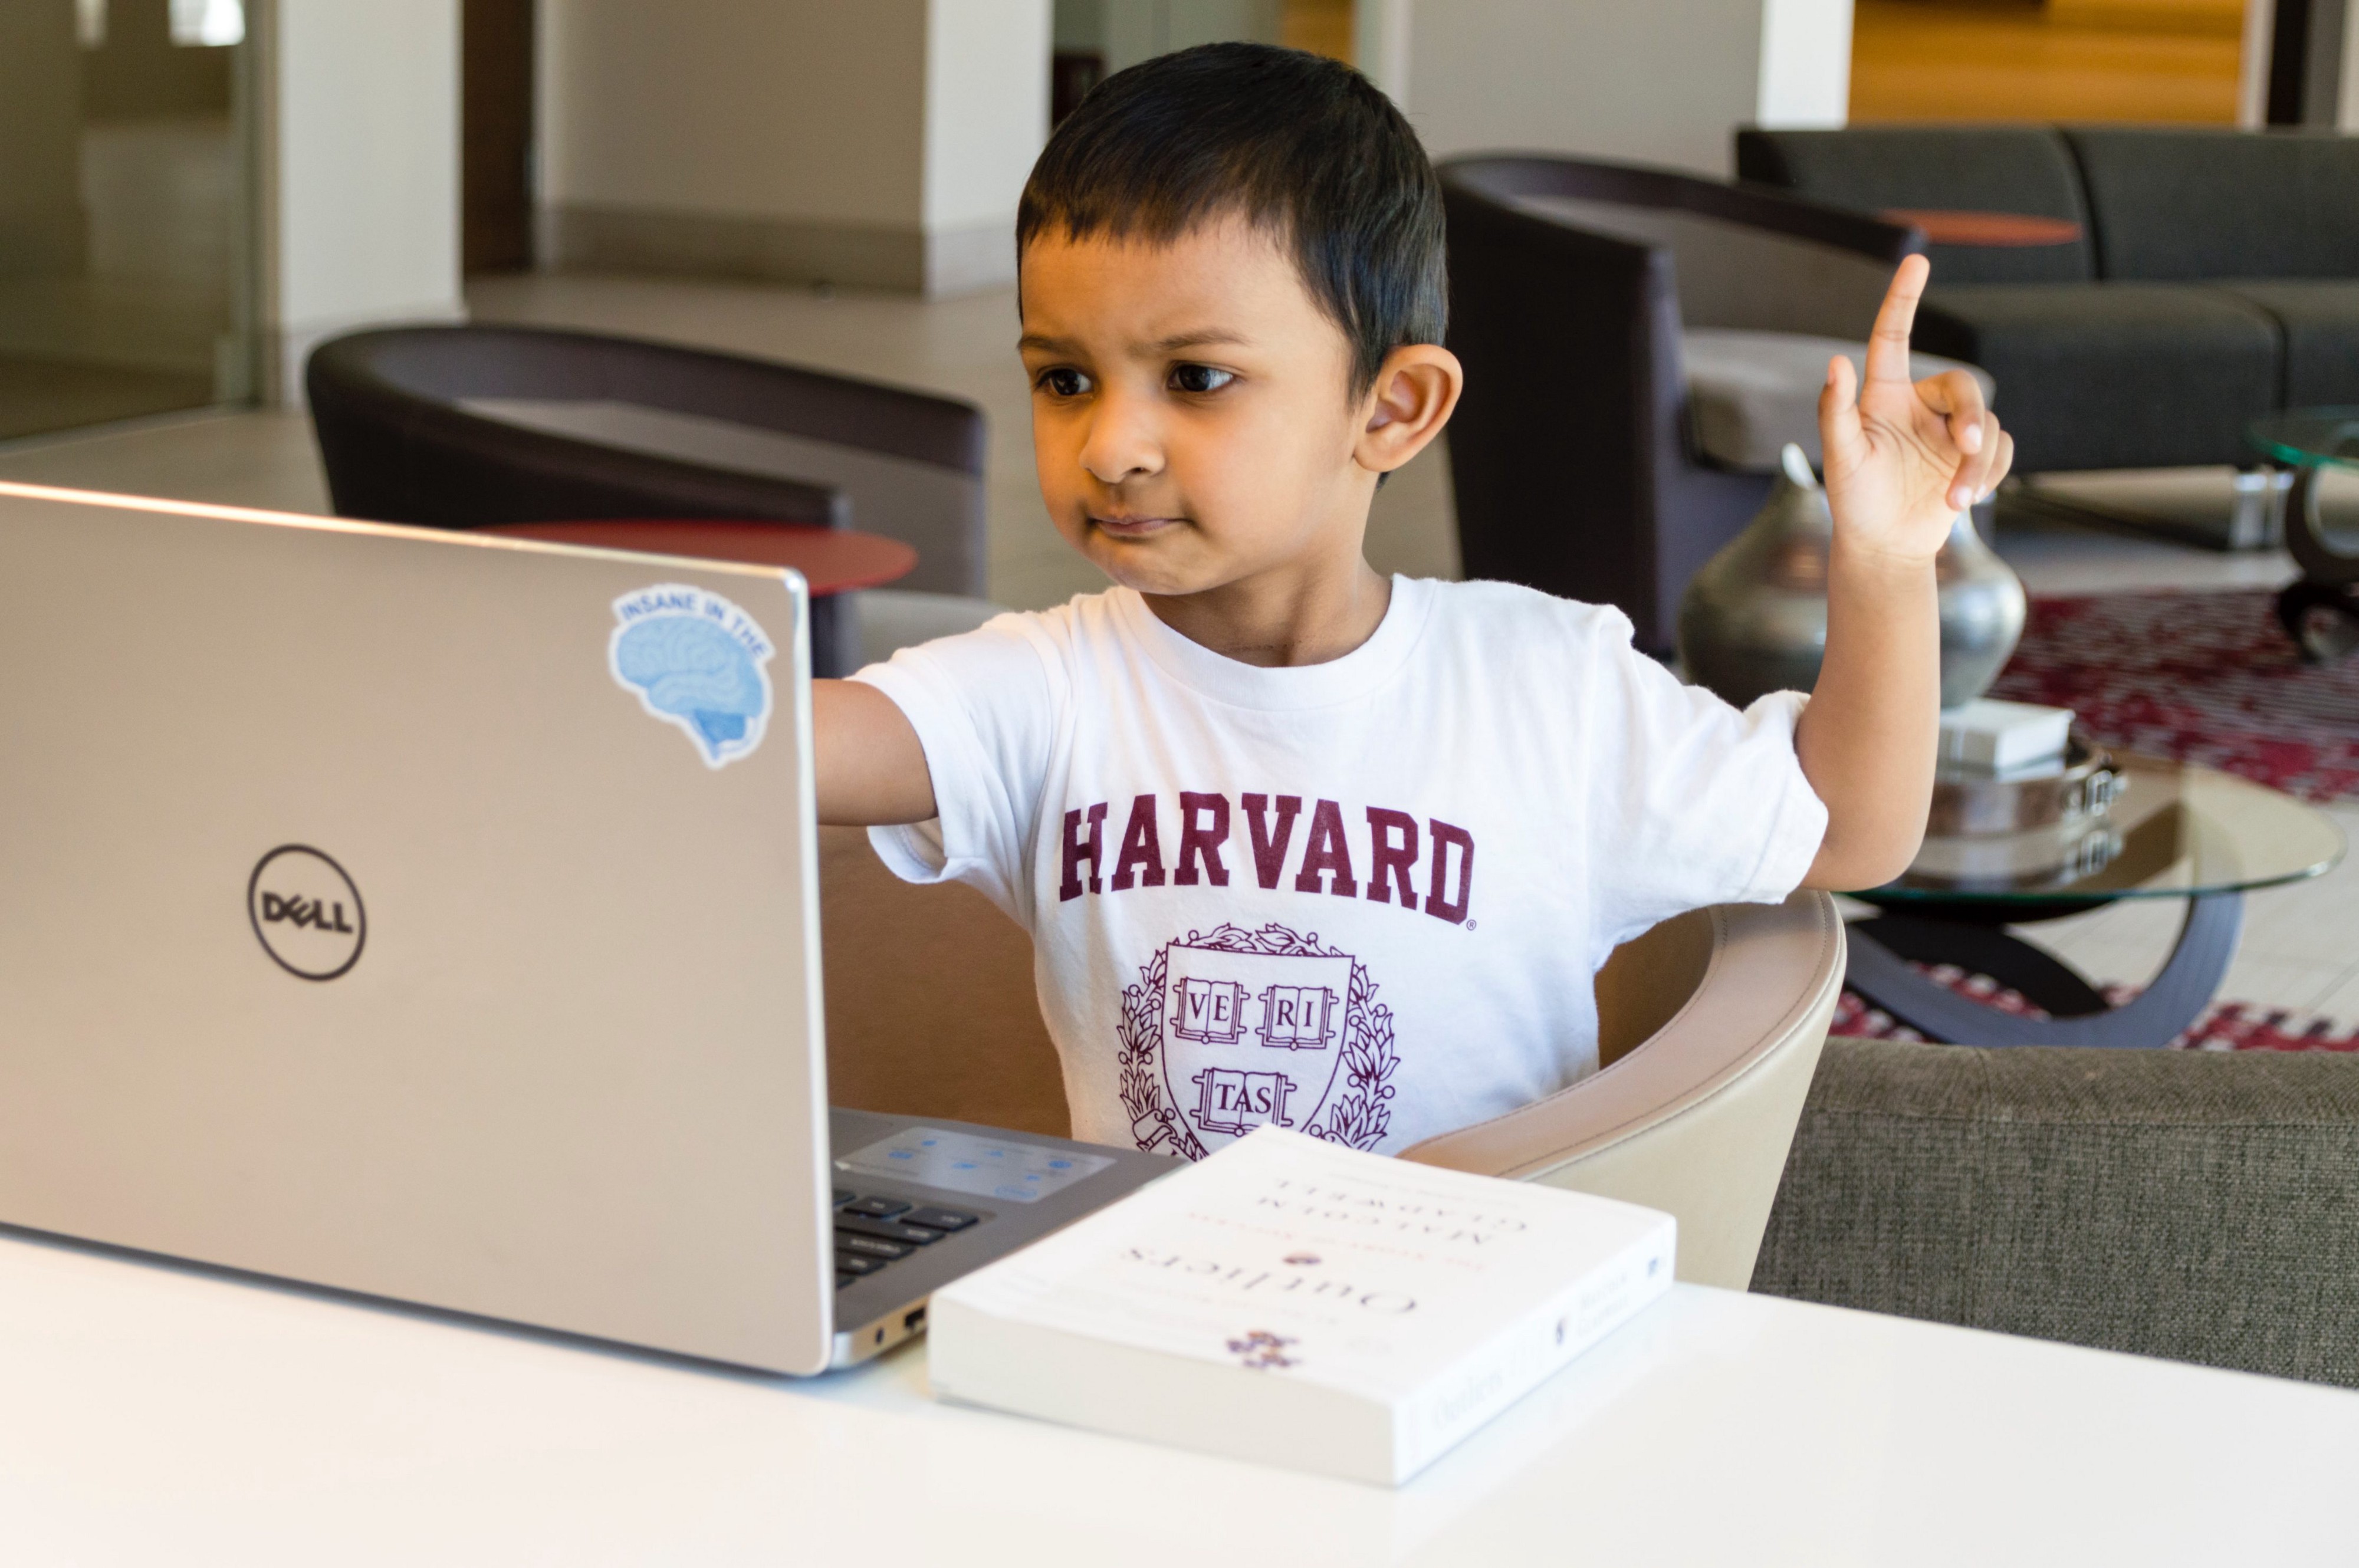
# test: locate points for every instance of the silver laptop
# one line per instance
(436, 917)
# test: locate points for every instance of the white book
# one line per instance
(2002, 736)
(1293, 1302)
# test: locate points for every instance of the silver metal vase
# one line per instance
(1755, 618)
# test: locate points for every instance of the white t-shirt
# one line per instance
(1365, 899)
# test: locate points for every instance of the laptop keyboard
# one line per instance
(875, 1231)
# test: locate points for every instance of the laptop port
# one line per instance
(913, 1320)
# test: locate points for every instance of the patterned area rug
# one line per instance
(2207, 678)
(2224, 1026)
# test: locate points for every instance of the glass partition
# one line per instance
(125, 261)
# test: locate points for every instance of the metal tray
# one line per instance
(1976, 805)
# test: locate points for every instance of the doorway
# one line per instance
(496, 135)
(1094, 37)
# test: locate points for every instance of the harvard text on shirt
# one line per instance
(1428, 865)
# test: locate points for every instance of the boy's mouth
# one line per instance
(1126, 526)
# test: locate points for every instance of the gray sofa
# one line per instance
(2199, 1206)
(2215, 277)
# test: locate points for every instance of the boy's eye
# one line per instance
(1064, 382)
(1200, 378)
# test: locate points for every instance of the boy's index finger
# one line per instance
(1888, 345)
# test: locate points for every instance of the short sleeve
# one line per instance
(1695, 803)
(985, 710)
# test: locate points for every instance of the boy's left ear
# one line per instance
(1416, 389)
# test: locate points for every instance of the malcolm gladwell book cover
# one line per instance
(1296, 1302)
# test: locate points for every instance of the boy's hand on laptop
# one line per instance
(1903, 458)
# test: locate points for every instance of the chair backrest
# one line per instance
(2193, 1204)
(1709, 1028)
(457, 427)
(1529, 296)
(1697, 1118)
(1740, 259)
(2028, 170)
(931, 1009)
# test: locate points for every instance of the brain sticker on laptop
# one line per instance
(698, 661)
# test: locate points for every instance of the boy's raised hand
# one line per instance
(1903, 458)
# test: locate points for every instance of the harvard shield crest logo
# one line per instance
(1239, 1030)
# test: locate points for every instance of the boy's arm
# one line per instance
(871, 769)
(1901, 462)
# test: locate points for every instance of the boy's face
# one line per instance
(1191, 412)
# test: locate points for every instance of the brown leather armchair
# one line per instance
(1710, 1027)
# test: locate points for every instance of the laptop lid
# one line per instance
(420, 914)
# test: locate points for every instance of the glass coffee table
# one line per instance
(2174, 831)
(2320, 612)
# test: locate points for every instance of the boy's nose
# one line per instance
(1121, 445)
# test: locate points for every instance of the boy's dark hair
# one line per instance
(1304, 146)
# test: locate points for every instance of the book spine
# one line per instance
(1453, 1406)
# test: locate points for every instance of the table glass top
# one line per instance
(2305, 437)
(2176, 830)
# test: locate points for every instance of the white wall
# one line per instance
(1661, 81)
(860, 141)
(360, 172)
(798, 109)
(1805, 65)
(2346, 114)
(986, 118)
(1380, 38)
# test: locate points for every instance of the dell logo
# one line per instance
(312, 912)
(306, 913)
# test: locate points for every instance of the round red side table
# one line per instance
(1989, 231)
(831, 561)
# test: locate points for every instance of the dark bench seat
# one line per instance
(2114, 374)
(2319, 320)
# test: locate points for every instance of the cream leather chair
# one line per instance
(1710, 1027)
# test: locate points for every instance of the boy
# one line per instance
(1296, 843)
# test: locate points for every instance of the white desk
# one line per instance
(151, 1414)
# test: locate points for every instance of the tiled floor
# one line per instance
(2060, 558)
(2301, 943)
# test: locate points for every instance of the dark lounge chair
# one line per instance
(460, 427)
(1638, 346)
